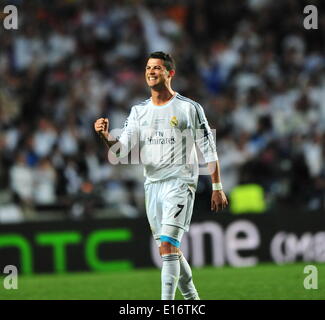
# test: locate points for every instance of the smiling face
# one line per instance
(157, 76)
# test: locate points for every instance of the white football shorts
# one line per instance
(169, 206)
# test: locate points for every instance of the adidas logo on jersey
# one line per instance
(145, 123)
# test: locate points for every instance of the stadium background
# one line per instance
(251, 64)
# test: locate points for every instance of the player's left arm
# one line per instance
(206, 144)
(218, 197)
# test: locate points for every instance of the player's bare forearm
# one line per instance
(218, 197)
(108, 140)
(214, 170)
(101, 126)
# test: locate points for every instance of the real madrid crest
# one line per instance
(173, 121)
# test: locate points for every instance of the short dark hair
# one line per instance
(169, 62)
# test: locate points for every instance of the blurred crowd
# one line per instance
(259, 75)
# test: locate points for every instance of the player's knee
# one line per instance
(168, 248)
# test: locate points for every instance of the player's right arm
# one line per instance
(127, 138)
(101, 126)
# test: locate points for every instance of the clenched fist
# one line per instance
(101, 126)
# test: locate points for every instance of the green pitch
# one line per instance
(266, 281)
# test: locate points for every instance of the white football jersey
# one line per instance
(166, 136)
